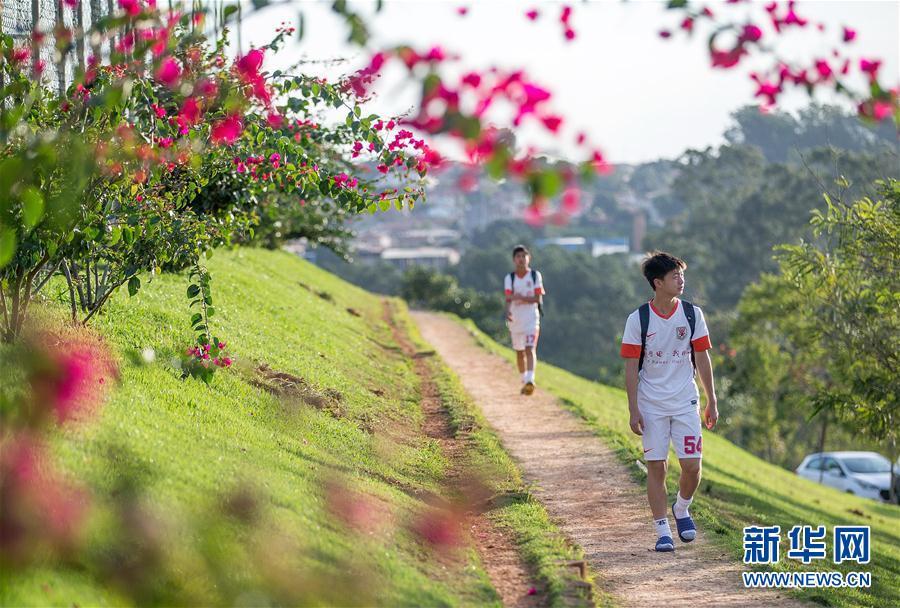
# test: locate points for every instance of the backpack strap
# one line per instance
(534, 282)
(644, 316)
(692, 322)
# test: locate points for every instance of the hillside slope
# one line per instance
(297, 477)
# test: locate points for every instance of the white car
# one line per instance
(866, 474)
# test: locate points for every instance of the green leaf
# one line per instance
(7, 246)
(210, 311)
(549, 183)
(196, 318)
(193, 291)
(134, 284)
(32, 206)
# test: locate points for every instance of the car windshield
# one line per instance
(868, 464)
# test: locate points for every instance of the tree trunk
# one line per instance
(822, 442)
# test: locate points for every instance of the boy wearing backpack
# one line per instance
(524, 289)
(665, 343)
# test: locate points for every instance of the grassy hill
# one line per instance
(297, 477)
(739, 489)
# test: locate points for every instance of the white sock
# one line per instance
(681, 506)
(662, 527)
(529, 376)
(524, 377)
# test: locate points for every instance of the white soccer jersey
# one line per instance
(666, 381)
(525, 317)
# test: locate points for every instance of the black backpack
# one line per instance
(644, 314)
(512, 279)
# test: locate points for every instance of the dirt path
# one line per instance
(508, 573)
(587, 490)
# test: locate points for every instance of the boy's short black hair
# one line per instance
(658, 264)
(520, 248)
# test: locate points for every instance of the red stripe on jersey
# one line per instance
(539, 291)
(701, 344)
(631, 351)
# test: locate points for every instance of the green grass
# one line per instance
(739, 489)
(540, 542)
(180, 446)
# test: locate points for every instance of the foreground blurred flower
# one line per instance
(39, 512)
(439, 527)
(71, 375)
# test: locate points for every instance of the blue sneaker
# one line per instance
(665, 544)
(687, 531)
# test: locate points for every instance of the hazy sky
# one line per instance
(637, 96)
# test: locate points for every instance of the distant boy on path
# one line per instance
(665, 342)
(524, 289)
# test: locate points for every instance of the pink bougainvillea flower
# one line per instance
(71, 3)
(190, 112)
(39, 509)
(599, 163)
(823, 69)
(849, 34)
(248, 65)
(769, 90)
(207, 88)
(533, 14)
(472, 79)
(665, 34)
(569, 33)
(870, 67)
(727, 59)
(227, 130)
(275, 120)
(439, 528)
(552, 122)
(20, 55)
(534, 215)
(168, 72)
(876, 109)
(74, 378)
(751, 33)
(132, 7)
(462, 11)
(580, 138)
(688, 24)
(571, 200)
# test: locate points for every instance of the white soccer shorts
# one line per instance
(524, 339)
(682, 430)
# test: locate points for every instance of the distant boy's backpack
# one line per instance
(512, 281)
(644, 315)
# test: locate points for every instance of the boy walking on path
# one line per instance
(524, 289)
(665, 342)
